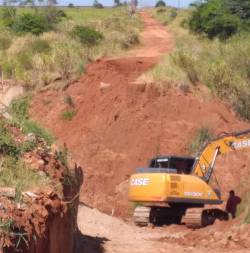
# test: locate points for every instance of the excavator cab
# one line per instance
(173, 164)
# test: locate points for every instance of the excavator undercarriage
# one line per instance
(192, 217)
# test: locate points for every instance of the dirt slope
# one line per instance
(120, 124)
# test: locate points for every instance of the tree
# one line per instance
(98, 5)
(70, 5)
(160, 3)
(241, 8)
(117, 2)
(215, 19)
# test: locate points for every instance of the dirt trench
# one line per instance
(119, 125)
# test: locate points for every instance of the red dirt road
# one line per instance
(120, 125)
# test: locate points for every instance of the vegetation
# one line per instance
(160, 3)
(68, 114)
(19, 110)
(97, 5)
(220, 18)
(223, 66)
(202, 136)
(13, 172)
(87, 36)
(43, 46)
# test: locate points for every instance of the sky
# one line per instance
(142, 3)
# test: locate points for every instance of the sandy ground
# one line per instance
(104, 233)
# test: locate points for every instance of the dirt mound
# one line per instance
(120, 124)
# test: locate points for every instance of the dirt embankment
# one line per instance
(39, 219)
(120, 124)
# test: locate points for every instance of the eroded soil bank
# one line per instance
(39, 219)
(120, 123)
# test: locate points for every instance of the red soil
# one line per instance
(121, 124)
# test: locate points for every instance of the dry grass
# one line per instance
(23, 59)
(221, 66)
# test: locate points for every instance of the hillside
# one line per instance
(120, 123)
(110, 92)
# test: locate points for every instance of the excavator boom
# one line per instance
(205, 162)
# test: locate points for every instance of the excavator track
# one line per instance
(200, 217)
(141, 215)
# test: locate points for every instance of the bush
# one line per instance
(30, 22)
(160, 3)
(87, 35)
(215, 19)
(35, 22)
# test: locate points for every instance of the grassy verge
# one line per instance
(13, 170)
(223, 66)
(56, 56)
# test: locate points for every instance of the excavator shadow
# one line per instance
(89, 244)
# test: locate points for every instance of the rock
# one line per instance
(104, 86)
(217, 236)
(30, 137)
(7, 192)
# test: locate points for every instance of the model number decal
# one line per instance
(241, 144)
(193, 194)
(140, 181)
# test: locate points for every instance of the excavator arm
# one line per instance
(206, 159)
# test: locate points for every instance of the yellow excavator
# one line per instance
(176, 189)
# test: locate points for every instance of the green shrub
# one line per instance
(68, 115)
(216, 19)
(160, 3)
(201, 136)
(87, 35)
(30, 22)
